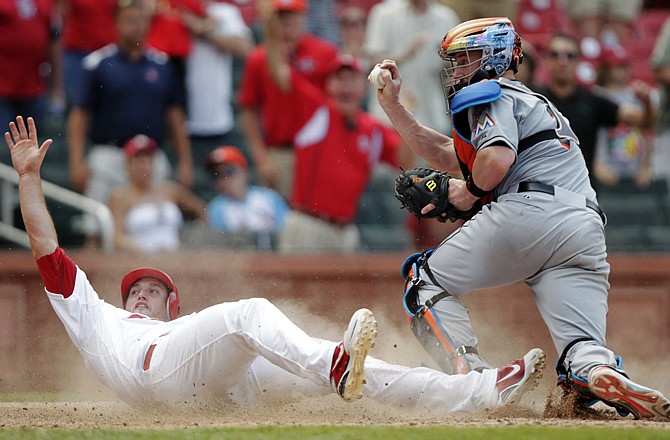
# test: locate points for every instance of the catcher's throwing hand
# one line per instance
(425, 193)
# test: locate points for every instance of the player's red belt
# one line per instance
(147, 357)
(549, 189)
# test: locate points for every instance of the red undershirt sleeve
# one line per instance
(58, 272)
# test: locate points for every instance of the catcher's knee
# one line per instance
(425, 325)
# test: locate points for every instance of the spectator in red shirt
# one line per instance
(336, 147)
(88, 25)
(28, 43)
(265, 113)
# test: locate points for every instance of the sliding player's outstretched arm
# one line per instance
(27, 158)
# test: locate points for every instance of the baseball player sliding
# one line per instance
(233, 351)
(540, 222)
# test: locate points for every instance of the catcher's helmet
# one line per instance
(143, 272)
(498, 42)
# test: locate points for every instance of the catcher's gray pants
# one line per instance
(556, 248)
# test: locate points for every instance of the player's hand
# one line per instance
(390, 94)
(27, 155)
(459, 196)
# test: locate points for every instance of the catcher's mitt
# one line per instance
(417, 187)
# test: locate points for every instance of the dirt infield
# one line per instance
(94, 407)
(312, 411)
(319, 296)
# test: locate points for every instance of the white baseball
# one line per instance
(376, 79)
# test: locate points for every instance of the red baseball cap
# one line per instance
(226, 155)
(344, 61)
(133, 276)
(138, 144)
(290, 5)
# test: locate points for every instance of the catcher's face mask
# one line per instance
(461, 68)
(478, 49)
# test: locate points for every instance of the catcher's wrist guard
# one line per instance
(420, 186)
(474, 189)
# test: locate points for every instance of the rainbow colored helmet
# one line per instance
(498, 42)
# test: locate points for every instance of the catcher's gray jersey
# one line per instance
(555, 243)
(518, 114)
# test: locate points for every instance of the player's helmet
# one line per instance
(500, 48)
(143, 272)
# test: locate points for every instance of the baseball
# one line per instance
(376, 79)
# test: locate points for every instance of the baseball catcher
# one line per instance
(542, 224)
(420, 186)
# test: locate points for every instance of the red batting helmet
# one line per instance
(149, 272)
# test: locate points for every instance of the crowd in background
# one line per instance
(253, 117)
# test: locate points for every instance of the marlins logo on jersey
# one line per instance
(482, 123)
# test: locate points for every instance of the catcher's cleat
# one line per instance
(347, 372)
(617, 390)
(519, 377)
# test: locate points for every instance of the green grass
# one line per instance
(348, 432)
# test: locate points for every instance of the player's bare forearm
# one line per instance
(36, 217)
(27, 159)
(436, 148)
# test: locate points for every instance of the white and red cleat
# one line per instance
(519, 377)
(617, 390)
(347, 371)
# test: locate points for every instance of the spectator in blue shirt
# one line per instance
(238, 206)
(127, 88)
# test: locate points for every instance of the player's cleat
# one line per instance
(347, 372)
(620, 392)
(519, 377)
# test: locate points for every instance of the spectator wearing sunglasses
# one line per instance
(585, 110)
(238, 206)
